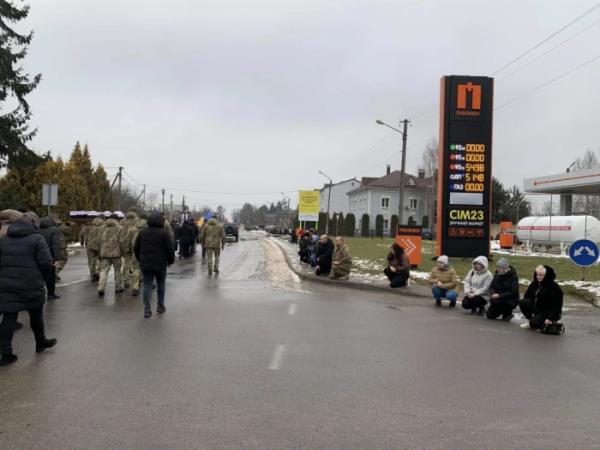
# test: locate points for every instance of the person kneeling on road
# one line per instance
(398, 269)
(477, 286)
(444, 281)
(543, 300)
(324, 256)
(342, 260)
(153, 248)
(504, 291)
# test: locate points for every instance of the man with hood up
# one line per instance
(543, 300)
(504, 291)
(53, 238)
(24, 263)
(213, 239)
(112, 249)
(477, 286)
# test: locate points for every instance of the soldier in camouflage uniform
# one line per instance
(129, 222)
(90, 237)
(342, 260)
(213, 238)
(112, 249)
(67, 236)
(132, 234)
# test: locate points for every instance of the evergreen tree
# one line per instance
(379, 226)
(364, 229)
(15, 84)
(322, 223)
(425, 221)
(394, 226)
(338, 226)
(350, 225)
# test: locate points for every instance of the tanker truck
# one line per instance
(562, 231)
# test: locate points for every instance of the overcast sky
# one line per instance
(258, 96)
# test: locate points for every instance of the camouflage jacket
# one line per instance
(132, 233)
(94, 234)
(213, 235)
(112, 241)
(169, 231)
(341, 255)
(67, 233)
(130, 221)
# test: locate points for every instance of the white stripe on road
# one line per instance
(277, 358)
(292, 309)
(72, 282)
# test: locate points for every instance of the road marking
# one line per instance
(72, 282)
(292, 309)
(277, 358)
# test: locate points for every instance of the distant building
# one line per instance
(382, 196)
(339, 200)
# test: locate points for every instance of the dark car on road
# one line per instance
(428, 234)
(231, 231)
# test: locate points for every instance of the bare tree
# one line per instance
(429, 157)
(582, 203)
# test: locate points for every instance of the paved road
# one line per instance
(257, 360)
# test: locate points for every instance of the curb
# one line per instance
(405, 291)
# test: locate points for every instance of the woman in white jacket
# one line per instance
(477, 286)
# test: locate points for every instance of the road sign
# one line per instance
(583, 252)
(409, 237)
(49, 194)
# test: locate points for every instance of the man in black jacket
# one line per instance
(504, 291)
(153, 248)
(24, 263)
(324, 255)
(53, 237)
(543, 300)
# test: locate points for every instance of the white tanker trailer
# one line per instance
(557, 230)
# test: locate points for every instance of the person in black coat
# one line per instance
(53, 237)
(186, 239)
(324, 256)
(153, 248)
(543, 300)
(24, 264)
(504, 292)
(304, 245)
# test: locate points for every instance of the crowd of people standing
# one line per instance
(137, 249)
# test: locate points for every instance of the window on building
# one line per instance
(413, 203)
(385, 202)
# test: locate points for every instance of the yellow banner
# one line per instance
(309, 205)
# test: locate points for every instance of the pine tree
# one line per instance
(14, 84)
(379, 226)
(394, 226)
(364, 229)
(350, 225)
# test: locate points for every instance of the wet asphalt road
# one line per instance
(257, 360)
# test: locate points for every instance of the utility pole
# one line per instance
(120, 182)
(328, 201)
(163, 200)
(403, 170)
(171, 208)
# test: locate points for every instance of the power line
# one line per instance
(537, 88)
(549, 51)
(543, 41)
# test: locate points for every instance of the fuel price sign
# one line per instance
(465, 164)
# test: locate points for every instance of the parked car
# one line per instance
(231, 231)
(428, 234)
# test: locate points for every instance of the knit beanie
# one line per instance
(443, 260)
(502, 264)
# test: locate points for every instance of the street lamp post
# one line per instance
(404, 134)
(328, 201)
